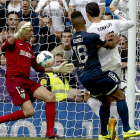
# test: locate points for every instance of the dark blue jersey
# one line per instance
(85, 55)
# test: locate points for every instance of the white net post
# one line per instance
(131, 63)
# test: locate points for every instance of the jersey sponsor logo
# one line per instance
(24, 53)
(20, 44)
(113, 76)
(104, 27)
(77, 40)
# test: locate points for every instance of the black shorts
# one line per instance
(106, 84)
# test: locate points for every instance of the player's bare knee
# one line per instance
(49, 97)
(118, 95)
(29, 113)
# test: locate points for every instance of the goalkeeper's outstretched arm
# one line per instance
(65, 67)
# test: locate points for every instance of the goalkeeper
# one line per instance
(23, 91)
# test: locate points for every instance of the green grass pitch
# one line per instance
(28, 138)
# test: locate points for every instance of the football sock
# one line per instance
(123, 113)
(94, 104)
(104, 117)
(13, 116)
(50, 118)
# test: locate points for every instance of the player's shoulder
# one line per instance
(85, 35)
(92, 35)
(19, 42)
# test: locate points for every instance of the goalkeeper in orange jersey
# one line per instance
(23, 91)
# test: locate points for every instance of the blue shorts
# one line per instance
(106, 84)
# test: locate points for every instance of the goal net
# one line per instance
(73, 120)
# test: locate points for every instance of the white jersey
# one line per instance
(123, 6)
(55, 11)
(110, 58)
(81, 5)
(11, 8)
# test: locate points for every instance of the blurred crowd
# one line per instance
(53, 31)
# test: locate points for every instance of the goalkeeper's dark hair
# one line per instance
(92, 9)
(12, 12)
(77, 19)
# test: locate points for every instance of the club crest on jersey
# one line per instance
(22, 95)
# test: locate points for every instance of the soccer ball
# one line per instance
(45, 59)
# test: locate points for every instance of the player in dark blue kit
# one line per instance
(102, 85)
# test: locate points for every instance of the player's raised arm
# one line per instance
(71, 9)
(23, 27)
(124, 22)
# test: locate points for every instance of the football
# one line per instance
(45, 59)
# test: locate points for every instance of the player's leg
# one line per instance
(95, 105)
(123, 113)
(27, 111)
(113, 111)
(42, 93)
(104, 114)
(19, 97)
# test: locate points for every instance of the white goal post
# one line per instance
(131, 63)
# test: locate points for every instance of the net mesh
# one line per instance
(73, 120)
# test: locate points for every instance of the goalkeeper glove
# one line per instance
(24, 28)
(64, 68)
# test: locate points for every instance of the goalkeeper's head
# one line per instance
(27, 35)
(77, 20)
(92, 9)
